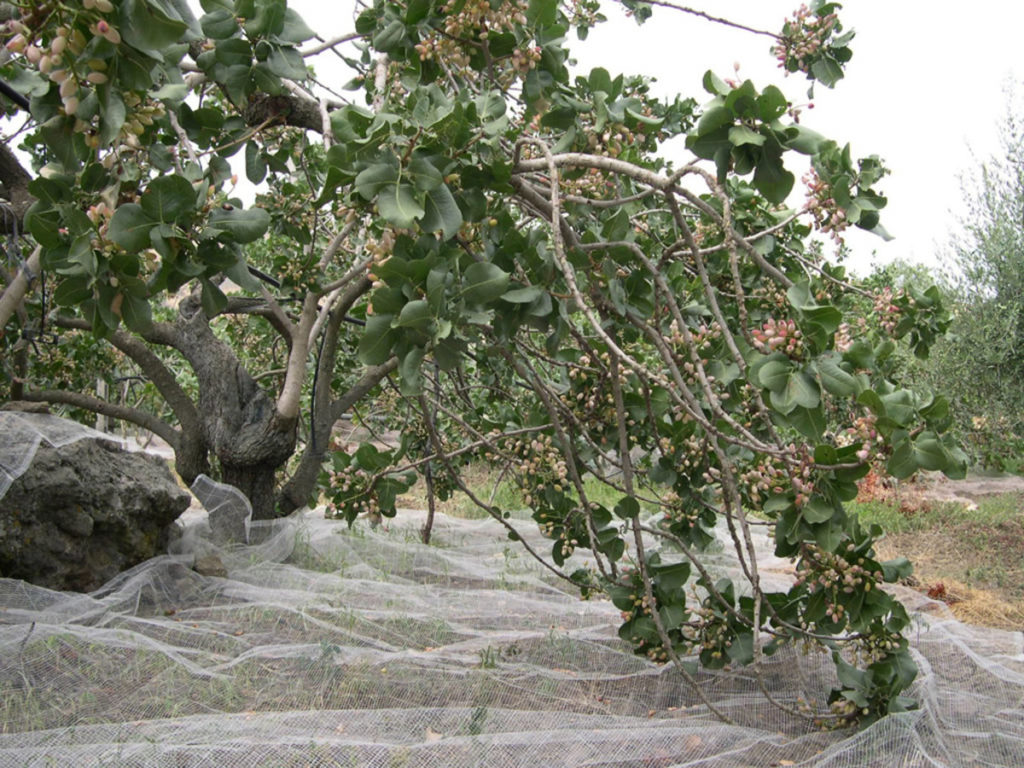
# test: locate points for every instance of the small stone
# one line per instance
(210, 565)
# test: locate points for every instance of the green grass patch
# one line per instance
(500, 489)
(934, 516)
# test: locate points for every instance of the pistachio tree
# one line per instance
(498, 245)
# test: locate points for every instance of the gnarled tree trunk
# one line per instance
(240, 422)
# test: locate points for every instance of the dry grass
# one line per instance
(968, 554)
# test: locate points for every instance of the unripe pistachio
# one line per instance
(17, 44)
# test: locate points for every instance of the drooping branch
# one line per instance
(190, 448)
(96, 405)
(15, 292)
(14, 179)
(151, 366)
(284, 109)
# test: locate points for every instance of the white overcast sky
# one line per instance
(926, 89)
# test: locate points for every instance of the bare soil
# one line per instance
(974, 566)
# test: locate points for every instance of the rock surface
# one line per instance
(84, 512)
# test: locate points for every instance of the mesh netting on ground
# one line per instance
(326, 646)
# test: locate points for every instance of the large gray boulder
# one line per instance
(83, 512)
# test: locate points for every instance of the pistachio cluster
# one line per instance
(803, 37)
(350, 494)
(763, 479)
(864, 432)
(67, 58)
(711, 634)
(780, 336)
(467, 29)
(836, 576)
(589, 395)
(76, 58)
(886, 309)
(828, 217)
(631, 599)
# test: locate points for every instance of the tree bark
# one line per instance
(239, 420)
(326, 411)
(257, 482)
(191, 452)
(13, 295)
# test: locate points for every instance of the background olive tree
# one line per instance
(499, 245)
(981, 364)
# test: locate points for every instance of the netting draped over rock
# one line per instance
(326, 646)
(21, 434)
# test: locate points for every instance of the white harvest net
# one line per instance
(325, 646)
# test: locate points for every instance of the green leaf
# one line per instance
(378, 339)
(817, 510)
(255, 164)
(398, 204)
(390, 38)
(285, 61)
(448, 353)
(167, 198)
(410, 376)
(484, 282)
(130, 227)
(833, 378)
(544, 13)
(269, 18)
(809, 422)
(742, 649)
(423, 175)
(671, 576)
(900, 407)
(114, 115)
(371, 459)
(441, 213)
(373, 179)
(827, 71)
(800, 391)
(627, 508)
(929, 452)
(894, 570)
(415, 314)
(902, 463)
(213, 299)
(715, 85)
(774, 375)
(771, 104)
(239, 225)
(150, 26)
(740, 135)
(136, 313)
(219, 24)
(714, 118)
(44, 224)
(803, 140)
(772, 179)
(294, 29)
(525, 295)
(73, 290)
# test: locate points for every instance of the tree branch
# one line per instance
(102, 407)
(14, 179)
(14, 293)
